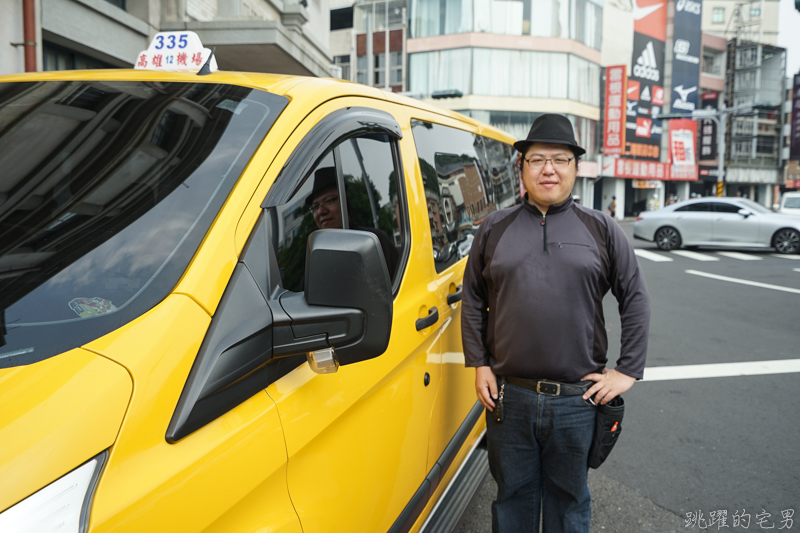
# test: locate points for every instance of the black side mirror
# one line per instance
(346, 268)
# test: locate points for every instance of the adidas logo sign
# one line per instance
(645, 94)
(646, 66)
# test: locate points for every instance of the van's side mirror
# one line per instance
(346, 268)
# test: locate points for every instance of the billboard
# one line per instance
(615, 110)
(682, 138)
(794, 150)
(645, 97)
(687, 50)
(708, 136)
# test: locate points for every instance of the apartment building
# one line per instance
(249, 35)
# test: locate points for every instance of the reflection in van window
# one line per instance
(372, 204)
(465, 177)
(106, 192)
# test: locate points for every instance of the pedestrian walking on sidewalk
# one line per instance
(533, 328)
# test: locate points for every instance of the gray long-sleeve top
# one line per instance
(533, 294)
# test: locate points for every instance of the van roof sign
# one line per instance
(175, 50)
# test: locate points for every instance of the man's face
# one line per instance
(325, 207)
(548, 184)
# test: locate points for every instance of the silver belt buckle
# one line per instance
(548, 389)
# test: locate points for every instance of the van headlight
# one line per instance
(61, 506)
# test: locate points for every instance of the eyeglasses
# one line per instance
(328, 203)
(558, 162)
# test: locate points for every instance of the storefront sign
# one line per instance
(646, 84)
(686, 48)
(628, 168)
(615, 112)
(794, 151)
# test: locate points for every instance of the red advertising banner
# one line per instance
(614, 134)
(683, 149)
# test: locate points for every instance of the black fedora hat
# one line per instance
(551, 128)
(323, 178)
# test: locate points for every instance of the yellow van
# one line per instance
(230, 303)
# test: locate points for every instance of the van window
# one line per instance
(364, 169)
(464, 181)
(107, 190)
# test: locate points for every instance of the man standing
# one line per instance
(533, 328)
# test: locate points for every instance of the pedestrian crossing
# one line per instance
(707, 256)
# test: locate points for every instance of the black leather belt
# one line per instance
(550, 388)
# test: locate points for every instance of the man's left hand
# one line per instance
(608, 386)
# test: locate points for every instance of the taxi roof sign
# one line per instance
(175, 50)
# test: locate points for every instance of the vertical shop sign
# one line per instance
(647, 74)
(682, 138)
(615, 112)
(794, 150)
(708, 136)
(687, 46)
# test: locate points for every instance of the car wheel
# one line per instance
(786, 241)
(668, 238)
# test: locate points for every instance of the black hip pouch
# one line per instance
(607, 428)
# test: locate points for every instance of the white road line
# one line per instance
(694, 255)
(652, 256)
(740, 256)
(744, 282)
(796, 269)
(721, 370)
(785, 256)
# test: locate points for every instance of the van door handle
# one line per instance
(455, 297)
(428, 321)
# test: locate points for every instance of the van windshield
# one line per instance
(106, 191)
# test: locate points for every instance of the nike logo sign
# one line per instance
(641, 12)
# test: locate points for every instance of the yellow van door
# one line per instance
(357, 440)
(466, 176)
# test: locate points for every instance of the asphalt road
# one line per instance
(721, 445)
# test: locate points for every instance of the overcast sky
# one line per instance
(789, 35)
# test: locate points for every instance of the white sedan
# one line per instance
(719, 222)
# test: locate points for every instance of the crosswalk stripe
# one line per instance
(796, 269)
(719, 370)
(784, 256)
(652, 256)
(694, 255)
(740, 256)
(744, 282)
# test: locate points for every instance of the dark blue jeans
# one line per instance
(538, 456)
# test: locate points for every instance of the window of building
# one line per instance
(396, 59)
(58, 58)
(361, 73)
(718, 15)
(712, 62)
(379, 76)
(755, 12)
(342, 19)
(344, 63)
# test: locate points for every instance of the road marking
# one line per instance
(796, 269)
(652, 256)
(694, 255)
(785, 256)
(740, 256)
(721, 370)
(744, 282)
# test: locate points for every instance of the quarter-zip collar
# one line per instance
(553, 209)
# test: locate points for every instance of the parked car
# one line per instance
(719, 222)
(790, 203)
(181, 349)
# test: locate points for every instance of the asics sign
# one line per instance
(646, 66)
(688, 6)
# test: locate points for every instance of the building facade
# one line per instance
(249, 35)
